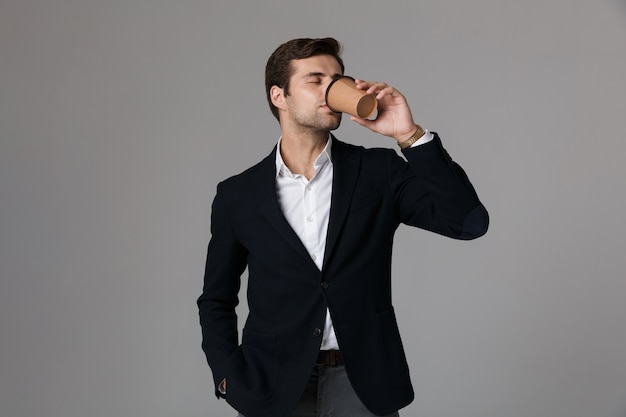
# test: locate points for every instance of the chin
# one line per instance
(335, 123)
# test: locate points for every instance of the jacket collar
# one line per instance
(346, 163)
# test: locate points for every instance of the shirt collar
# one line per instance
(320, 161)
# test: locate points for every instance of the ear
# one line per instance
(277, 95)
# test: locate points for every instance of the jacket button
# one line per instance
(324, 284)
(317, 332)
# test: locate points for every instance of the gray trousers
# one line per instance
(330, 394)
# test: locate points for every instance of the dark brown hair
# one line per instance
(278, 69)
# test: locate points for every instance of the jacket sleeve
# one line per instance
(445, 201)
(226, 261)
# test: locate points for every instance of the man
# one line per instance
(314, 223)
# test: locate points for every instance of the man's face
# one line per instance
(305, 105)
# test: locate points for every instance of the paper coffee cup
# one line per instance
(342, 96)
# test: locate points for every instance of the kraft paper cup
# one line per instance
(342, 96)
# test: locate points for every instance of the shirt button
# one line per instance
(309, 219)
(324, 284)
(308, 188)
(314, 257)
(317, 332)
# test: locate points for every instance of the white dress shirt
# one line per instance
(306, 206)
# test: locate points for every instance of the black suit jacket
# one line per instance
(374, 191)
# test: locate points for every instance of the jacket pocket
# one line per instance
(254, 367)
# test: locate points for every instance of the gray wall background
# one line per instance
(118, 118)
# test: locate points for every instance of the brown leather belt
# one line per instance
(329, 357)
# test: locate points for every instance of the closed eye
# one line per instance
(314, 77)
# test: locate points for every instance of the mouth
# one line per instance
(325, 107)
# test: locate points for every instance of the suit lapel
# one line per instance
(345, 171)
(263, 185)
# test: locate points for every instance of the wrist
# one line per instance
(418, 133)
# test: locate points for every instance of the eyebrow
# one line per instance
(319, 74)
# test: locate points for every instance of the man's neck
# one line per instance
(300, 150)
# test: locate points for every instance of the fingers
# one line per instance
(380, 89)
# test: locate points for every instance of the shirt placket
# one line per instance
(311, 227)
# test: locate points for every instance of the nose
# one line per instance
(333, 78)
(326, 83)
